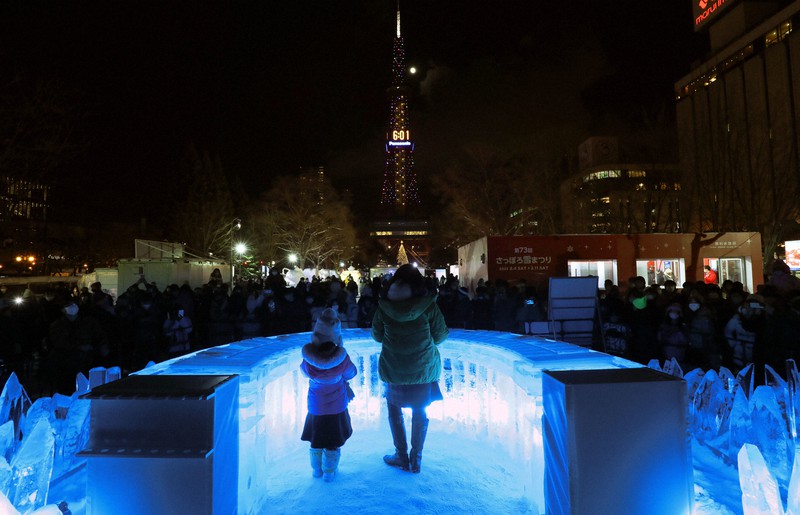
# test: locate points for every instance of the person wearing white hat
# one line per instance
(328, 368)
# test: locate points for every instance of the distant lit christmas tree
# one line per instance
(399, 190)
(402, 257)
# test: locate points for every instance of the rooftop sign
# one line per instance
(705, 11)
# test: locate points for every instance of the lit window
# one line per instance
(771, 38)
(785, 29)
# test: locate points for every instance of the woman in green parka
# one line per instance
(409, 325)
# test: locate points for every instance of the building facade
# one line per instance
(737, 118)
(610, 194)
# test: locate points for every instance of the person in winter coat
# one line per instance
(672, 335)
(328, 368)
(742, 330)
(410, 326)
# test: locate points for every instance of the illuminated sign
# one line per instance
(399, 143)
(707, 10)
(401, 135)
(793, 254)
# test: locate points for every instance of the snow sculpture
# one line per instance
(32, 468)
(673, 368)
(14, 401)
(792, 380)
(711, 406)
(693, 379)
(793, 502)
(113, 374)
(759, 489)
(81, 384)
(746, 380)
(97, 376)
(770, 434)
(41, 408)
(73, 436)
(739, 425)
(727, 378)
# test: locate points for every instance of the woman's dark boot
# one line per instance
(400, 457)
(419, 429)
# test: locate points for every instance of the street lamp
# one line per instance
(292, 258)
(236, 224)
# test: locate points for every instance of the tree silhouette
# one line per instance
(492, 194)
(312, 223)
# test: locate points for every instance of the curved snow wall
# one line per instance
(491, 382)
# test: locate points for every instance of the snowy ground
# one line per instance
(458, 475)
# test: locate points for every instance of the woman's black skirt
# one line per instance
(327, 431)
(413, 395)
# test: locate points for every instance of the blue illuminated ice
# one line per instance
(489, 425)
(32, 468)
(793, 501)
(711, 405)
(14, 401)
(740, 424)
(81, 384)
(760, 494)
(73, 436)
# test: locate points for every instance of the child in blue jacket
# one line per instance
(328, 368)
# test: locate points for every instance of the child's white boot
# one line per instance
(316, 462)
(330, 463)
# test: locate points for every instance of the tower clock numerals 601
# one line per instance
(401, 135)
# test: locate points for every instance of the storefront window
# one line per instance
(732, 269)
(602, 269)
(657, 271)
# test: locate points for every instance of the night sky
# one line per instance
(272, 86)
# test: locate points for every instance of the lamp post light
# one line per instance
(236, 224)
(292, 258)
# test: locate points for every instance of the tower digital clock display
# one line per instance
(401, 135)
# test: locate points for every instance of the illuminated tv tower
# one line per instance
(400, 224)
(399, 190)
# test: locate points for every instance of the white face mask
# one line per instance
(694, 306)
(674, 316)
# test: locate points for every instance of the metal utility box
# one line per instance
(616, 441)
(164, 444)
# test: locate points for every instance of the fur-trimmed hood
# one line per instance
(399, 291)
(323, 361)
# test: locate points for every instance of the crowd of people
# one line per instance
(705, 324)
(46, 339)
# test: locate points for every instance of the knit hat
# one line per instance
(328, 328)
